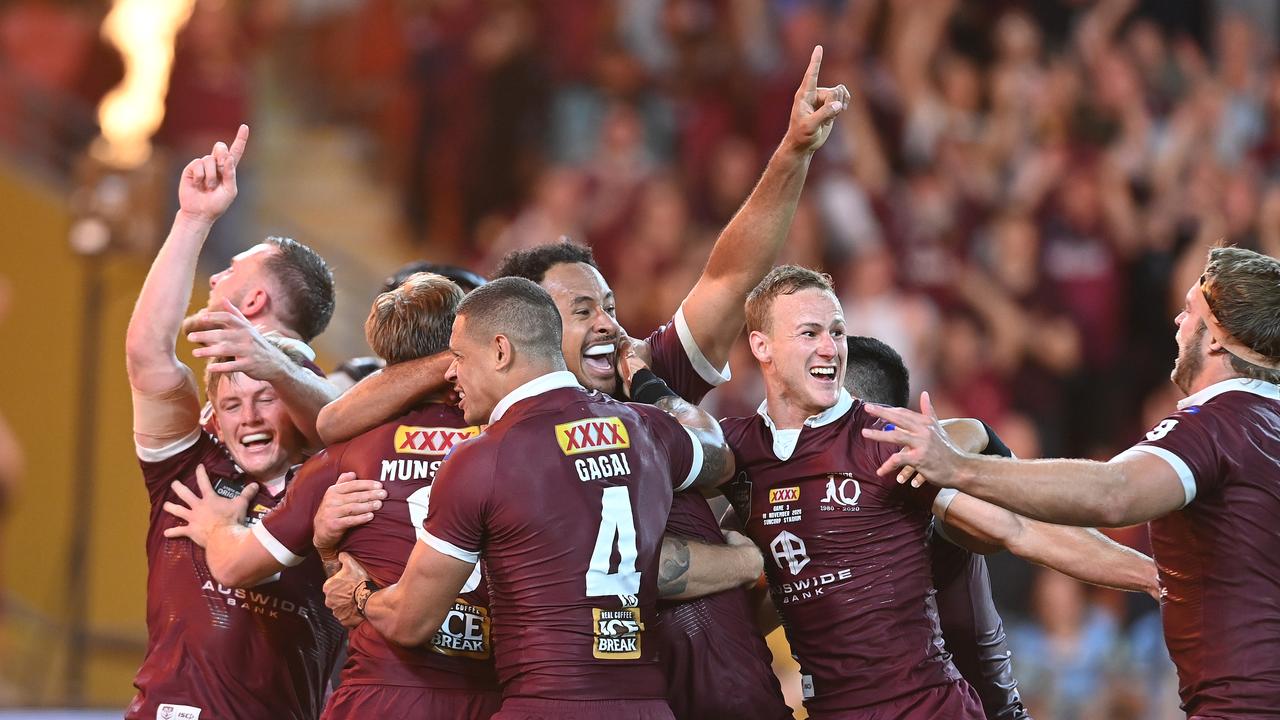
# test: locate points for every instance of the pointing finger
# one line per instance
(810, 84)
(238, 145)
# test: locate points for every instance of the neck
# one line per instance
(267, 322)
(1215, 370)
(786, 413)
(527, 372)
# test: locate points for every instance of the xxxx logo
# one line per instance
(786, 494)
(430, 441)
(592, 435)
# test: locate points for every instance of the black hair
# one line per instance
(533, 263)
(876, 373)
(466, 279)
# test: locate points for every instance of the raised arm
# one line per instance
(387, 393)
(1130, 488)
(691, 568)
(749, 244)
(165, 402)
(1082, 553)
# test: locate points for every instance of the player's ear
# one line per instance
(759, 343)
(502, 356)
(255, 302)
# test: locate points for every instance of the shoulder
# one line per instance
(736, 427)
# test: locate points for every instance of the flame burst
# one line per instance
(144, 32)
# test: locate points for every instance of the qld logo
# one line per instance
(842, 490)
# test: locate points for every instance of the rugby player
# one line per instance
(1207, 477)
(572, 599)
(720, 666)
(450, 677)
(971, 627)
(259, 652)
(279, 286)
(850, 567)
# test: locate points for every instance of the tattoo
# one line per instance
(673, 568)
(329, 560)
(673, 405)
(715, 463)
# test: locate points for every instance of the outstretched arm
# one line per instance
(387, 393)
(165, 402)
(1130, 488)
(749, 244)
(1082, 553)
(692, 568)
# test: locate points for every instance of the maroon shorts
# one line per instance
(953, 701)
(393, 701)
(538, 709)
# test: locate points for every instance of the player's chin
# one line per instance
(607, 386)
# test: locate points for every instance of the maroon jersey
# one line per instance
(219, 652)
(404, 455)
(848, 563)
(716, 662)
(565, 496)
(1219, 556)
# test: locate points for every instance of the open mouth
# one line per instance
(600, 359)
(254, 441)
(824, 373)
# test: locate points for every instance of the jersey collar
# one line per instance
(784, 441)
(543, 383)
(1261, 388)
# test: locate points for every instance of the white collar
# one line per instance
(298, 346)
(537, 386)
(784, 441)
(826, 417)
(1261, 388)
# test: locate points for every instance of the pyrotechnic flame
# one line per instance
(144, 31)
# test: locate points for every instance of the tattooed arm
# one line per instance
(693, 568)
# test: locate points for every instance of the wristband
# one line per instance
(995, 446)
(361, 593)
(649, 388)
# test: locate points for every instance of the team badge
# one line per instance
(616, 634)
(464, 632)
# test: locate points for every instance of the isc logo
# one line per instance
(430, 441)
(592, 435)
(786, 494)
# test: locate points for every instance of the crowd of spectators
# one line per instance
(1016, 199)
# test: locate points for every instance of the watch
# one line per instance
(361, 593)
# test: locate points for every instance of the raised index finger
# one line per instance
(238, 145)
(810, 84)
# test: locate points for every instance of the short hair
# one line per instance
(533, 263)
(782, 280)
(414, 320)
(1242, 289)
(304, 285)
(212, 380)
(876, 372)
(519, 309)
(466, 279)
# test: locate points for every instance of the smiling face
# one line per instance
(591, 330)
(802, 352)
(252, 422)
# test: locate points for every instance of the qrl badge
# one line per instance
(617, 634)
(464, 632)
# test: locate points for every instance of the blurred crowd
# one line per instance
(1016, 199)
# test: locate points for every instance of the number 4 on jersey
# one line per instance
(617, 531)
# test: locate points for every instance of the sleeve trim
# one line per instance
(282, 554)
(942, 502)
(701, 364)
(695, 468)
(1179, 466)
(447, 548)
(160, 454)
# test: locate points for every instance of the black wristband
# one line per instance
(361, 593)
(648, 388)
(995, 446)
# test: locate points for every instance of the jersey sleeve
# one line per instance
(287, 530)
(682, 447)
(1186, 441)
(461, 501)
(178, 461)
(677, 359)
